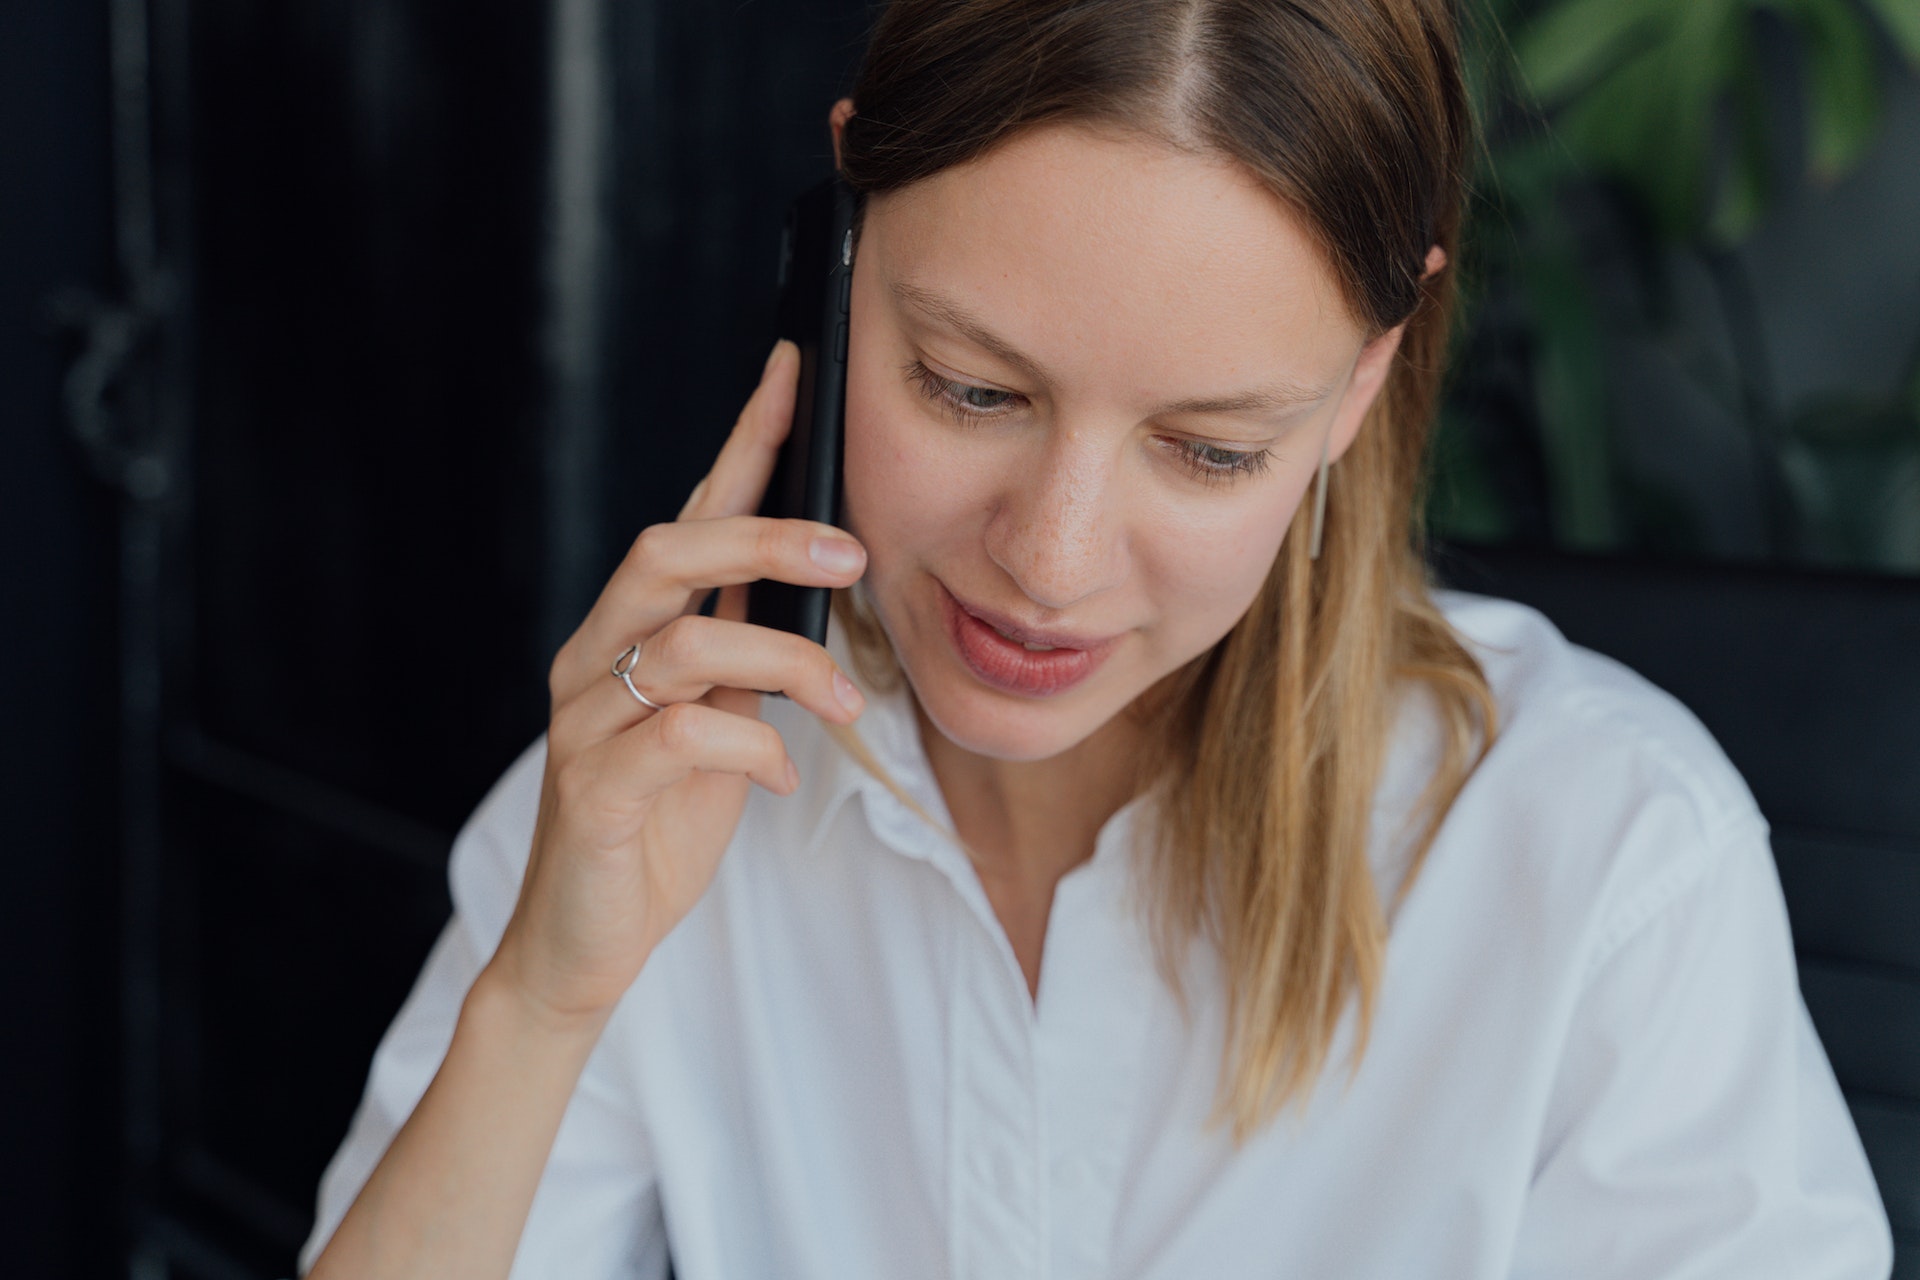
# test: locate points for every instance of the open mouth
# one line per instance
(1028, 645)
(1014, 664)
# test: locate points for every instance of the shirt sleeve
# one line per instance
(596, 1214)
(1696, 1131)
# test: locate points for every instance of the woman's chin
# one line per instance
(986, 722)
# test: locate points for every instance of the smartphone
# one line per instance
(816, 287)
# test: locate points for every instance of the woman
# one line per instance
(1153, 877)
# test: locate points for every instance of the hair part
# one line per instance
(1354, 113)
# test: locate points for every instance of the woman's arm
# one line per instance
(596, 1214)
(450, 1198)
(641, 784)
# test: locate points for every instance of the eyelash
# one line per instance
(1202, 460)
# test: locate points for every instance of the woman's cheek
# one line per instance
(1212, 564)
(905, 481)
(1199, 585)
(871, 466)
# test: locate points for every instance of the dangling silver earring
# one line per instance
(1319, 505)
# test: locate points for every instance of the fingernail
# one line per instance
(768, 367)
(837, 555)
(849, 696)
(793, 777)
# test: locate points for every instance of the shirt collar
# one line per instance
(891, 730)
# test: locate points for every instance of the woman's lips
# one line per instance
(1010, 666)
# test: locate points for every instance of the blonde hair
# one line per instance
(1270, 745)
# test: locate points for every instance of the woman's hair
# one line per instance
(1353, 112)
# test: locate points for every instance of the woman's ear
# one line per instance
(1370, 372)
(1369, 376)
(837, 120)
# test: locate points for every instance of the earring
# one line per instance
(1319, 506)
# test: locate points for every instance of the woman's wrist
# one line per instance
(509, 1013)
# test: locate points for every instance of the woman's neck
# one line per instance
(1026, 823)
(1029, 822)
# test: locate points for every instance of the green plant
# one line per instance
(1853, 464)
(1659, 111)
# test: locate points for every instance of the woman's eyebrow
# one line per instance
(1265, 401)
(945, 311)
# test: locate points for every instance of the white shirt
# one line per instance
(1590, 1056)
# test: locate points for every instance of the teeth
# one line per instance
(1028, 645)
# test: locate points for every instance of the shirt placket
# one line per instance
(997, 1143)
(1039, 1107)
(1098, 1002)
(1044, 1101)
(995, 1146)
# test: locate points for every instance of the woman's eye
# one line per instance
(1216, 465)
(961, 399)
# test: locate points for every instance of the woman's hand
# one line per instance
(637, 805)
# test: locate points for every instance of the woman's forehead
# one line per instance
(1084, 243)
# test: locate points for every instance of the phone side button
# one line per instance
(840, 342)
(846, 292)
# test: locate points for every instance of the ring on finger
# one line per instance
(623, 668)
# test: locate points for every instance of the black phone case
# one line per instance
(816, 282)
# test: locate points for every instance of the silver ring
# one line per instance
(623, 667)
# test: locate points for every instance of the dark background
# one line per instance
(373, 421)
(345, 344)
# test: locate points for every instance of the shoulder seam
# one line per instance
(1655, 899)
(1721, 825)
(1710, 802)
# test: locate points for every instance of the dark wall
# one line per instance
(349, 566)
(444, 307)
(57, 935)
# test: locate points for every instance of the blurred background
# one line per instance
(345, 344)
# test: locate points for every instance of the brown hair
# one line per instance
(1353, 112)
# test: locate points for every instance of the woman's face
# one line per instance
(1088, 384)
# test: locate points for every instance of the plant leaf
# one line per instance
(1649, 121)
(1748, 188)
(1570, 389)
(1902, 19)
(1843, 84)
(1572, 44)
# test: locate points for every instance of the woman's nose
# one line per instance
(1058, 530)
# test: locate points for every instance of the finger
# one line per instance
(693, 655)
(621, 774)
(599, 711)
(739, 476)
(673, 563)
(670, 565)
